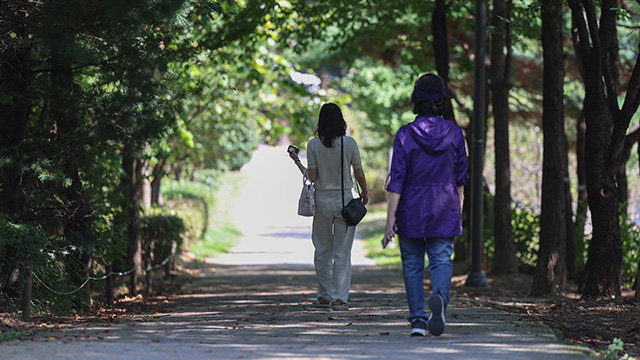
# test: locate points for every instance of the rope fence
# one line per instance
(30, 275)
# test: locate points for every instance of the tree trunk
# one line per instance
(504, 261)
(570, 251)
(636, 284)
(604, 143)
(581, 209)
(131, 183)
(576, 262)
(441, 51)
(441, 56)
(158, 174)
(550, 273)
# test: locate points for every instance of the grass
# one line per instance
(222, 233)
(371, 230)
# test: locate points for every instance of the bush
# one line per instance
(159, 233)
(19, 244)
(190, 201)
(526, 234)
(22, 244)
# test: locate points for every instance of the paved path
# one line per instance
(255, 303)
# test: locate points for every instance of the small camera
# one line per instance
(293, 149)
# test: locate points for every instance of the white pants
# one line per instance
(332, 240)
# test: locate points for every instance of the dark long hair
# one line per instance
(331, 124)
(432, 85)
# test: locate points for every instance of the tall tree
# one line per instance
(441, 50)
(81, 88)
(505, 253)
(575, 264)
(606, 128)
(550, 273)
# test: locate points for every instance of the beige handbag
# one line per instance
(306, 204)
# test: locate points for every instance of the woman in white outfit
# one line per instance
(331, 236)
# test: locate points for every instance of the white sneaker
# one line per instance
(418, 328)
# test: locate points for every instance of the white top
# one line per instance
(327, 161)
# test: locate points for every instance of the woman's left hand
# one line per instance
(365, 198)
(294, 156)
(389, 231)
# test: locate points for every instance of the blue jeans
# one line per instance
(439, 251)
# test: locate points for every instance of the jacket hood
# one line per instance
(432, 133)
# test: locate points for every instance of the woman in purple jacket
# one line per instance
(428, 172)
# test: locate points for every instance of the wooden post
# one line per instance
(148, 281)
(26, 292)
(109, 286)
(87, 260)
(636, 286)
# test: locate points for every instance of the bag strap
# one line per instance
(342, 172)
(305, 177)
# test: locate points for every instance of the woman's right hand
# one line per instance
(294, 156)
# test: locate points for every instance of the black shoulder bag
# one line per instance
(355, 210)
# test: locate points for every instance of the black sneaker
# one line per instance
(436, 319)
(418, 328)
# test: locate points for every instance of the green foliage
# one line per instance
(615, 350)
(630, 237)
(190, 201)
(379, 105)
(560, 336)
(96, 84)
(209, 227)
(10, 335)
(162, 231)
(526, 233)
(221, 233)
(384, 94)
(20, 245)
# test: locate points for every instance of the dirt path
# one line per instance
(255, 303)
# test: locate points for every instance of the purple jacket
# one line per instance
(429, 163)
